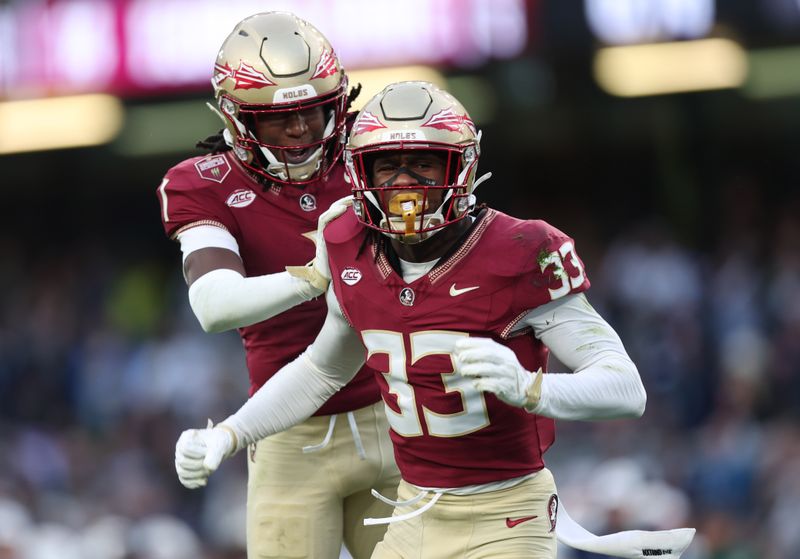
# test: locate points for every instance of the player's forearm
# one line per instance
(301, 387)
(609, 389)
(224, 299)
(605, 383)
(288, 398)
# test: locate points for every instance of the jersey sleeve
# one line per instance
(187, 201)
(552, 267)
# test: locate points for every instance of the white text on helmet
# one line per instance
(402, 135)
(290, 94)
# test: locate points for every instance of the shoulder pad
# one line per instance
(199, 172)
(521, 242)
(343, 228)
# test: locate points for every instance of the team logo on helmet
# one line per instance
(240, 198)
(552, 511)
(447, 119)
(214, 168)
(367, 122)
(308, 203)
(351, 276)
(244, 77)
(326, 65)
(407, 296)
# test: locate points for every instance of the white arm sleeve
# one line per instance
(206, 236)
(223, 299)
(302, 386)
(605, 383)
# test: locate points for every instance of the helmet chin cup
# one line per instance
(404, 227)
(407, 205)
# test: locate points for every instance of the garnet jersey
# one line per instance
(445, 432)
(274, 228)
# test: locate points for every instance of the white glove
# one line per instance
(318, 272)
(199, 452)
(495, 368)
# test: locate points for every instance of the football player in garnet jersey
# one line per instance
(457, 307)
(241, 214)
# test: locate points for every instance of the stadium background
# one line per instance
(683, 200)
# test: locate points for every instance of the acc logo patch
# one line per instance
(351, 276)
(241, 198)
(552, 511)
(308, 203)
(214, 168)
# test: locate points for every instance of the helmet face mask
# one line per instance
(406, 121)
(275, 68)
(409, 197)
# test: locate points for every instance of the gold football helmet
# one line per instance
(413, 116)
(272, 65)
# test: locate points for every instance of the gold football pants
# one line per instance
(306, 504)
(513, 523)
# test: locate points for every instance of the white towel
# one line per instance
(633, 544)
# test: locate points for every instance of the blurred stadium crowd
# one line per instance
(102, 365)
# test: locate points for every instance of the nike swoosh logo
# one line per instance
(511, 522)
(456, 292)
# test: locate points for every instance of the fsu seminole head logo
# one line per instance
(552, 511)
(407, 296)
(308, 203)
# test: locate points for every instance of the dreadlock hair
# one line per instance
(354, 93)
(373, 238)
(214, 143)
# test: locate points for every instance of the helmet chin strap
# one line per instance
(483, 178)
(217, 112)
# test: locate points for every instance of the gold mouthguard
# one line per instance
(407, 205)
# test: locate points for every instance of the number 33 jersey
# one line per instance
(446, 433)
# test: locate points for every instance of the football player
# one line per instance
(241, 214)
(457, 307)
